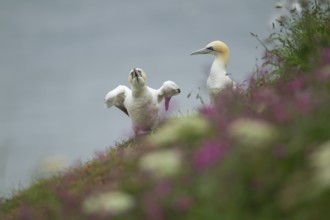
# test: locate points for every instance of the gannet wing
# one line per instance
(166, 92)
(116, 97)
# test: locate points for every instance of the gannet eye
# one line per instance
(210, 48)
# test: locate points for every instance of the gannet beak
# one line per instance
(202, 51)
(167, 102)
(135, 74)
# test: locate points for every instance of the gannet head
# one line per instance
(217, 48)
(137, 77)
(170, 88)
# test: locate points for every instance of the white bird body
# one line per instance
(142, 103)
(142, 107)
(218, 78)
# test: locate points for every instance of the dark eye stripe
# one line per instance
(210, 48)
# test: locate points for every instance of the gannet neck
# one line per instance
(218, 74)
(219, 65)
(138, 89)
(137, 78)
(218, 78)
(222, 59)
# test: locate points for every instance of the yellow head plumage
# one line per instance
(218, 49)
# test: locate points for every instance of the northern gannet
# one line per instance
(142, 103)
(218, 78)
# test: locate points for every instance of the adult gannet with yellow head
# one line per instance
(218, 78)
(141, 103)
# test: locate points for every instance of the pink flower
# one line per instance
(183, 203)
(303, 102)
(208, 154)
(280, 151)
(208, 111)
(297, 84)
(152, 200)
(271, 104)
(326, 55)
(163, 189)
(323, 74)
(25, 212)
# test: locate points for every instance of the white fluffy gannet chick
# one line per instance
(142, 103)
(218, 78)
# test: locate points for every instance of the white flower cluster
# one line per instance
(161, 163)
(180, 129)
(320, 161)
(252, 132)
(112, 203)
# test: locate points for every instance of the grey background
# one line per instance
(58, 59)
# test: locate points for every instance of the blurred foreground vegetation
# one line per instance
(261, 153)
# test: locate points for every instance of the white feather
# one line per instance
(218, 79)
